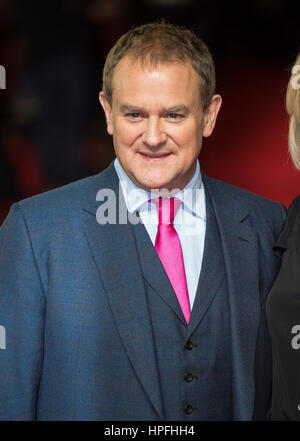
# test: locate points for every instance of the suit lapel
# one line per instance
(239, 245)
(212, 272)
(115, 254)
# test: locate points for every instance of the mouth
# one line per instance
(154, 156)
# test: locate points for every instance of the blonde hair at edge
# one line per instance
(293, 109)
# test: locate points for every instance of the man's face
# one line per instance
(157, 122)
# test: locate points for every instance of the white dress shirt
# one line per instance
(189, 222)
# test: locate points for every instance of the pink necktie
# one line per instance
(167, 245)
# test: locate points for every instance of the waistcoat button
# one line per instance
(188, 409)
(189, 345)
(188, 377)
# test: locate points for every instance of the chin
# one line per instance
(143, 182)
(160, 186)
(149, 186)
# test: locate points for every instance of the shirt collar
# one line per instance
(192, 195)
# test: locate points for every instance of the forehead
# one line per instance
(145, 81)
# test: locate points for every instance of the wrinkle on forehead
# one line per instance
(132, 63)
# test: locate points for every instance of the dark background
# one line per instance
(52, 130)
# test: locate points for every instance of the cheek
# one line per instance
(125, 135)
(187, 139)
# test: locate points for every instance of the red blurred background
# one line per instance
(249, 146)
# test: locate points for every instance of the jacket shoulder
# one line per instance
(238, 193)
(72, 191)
(69, 197)
(260, 209)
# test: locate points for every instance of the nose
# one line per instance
(154, 134)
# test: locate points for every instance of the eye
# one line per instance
(175, 116)
(133, 115)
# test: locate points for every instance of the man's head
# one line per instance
(158, 98)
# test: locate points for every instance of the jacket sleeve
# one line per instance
(22, 307)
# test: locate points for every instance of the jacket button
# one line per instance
(189, 345)
(188, 409)
(188, 377)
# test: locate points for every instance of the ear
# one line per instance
(210, 115)
(107, 110)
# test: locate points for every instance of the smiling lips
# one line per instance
(149, 156)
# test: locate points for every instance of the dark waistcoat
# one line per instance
(194, 360)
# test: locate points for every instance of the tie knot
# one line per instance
(167, 209)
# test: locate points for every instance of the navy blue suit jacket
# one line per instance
(79, 344)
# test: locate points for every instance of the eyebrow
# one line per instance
(177, 108)
(130, 108)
